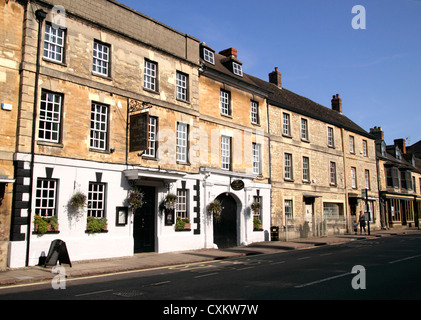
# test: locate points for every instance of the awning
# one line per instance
(153, 175)
(398, 196)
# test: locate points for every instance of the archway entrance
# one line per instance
(225, 229)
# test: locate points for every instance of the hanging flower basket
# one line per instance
(255, 207)
(170, 201)
(135, 199)
(78, 201)
(215, 209)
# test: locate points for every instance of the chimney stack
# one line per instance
(401, 144)
(377, 133)
(337, 103)
(229, 52)
(275, 77)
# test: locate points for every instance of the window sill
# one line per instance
(50, 144)
(226, 115)
(103, 76)
(100, 151)
(35, 233)
(183, 163)
(59, 63)
(150, 90)
(184, 101)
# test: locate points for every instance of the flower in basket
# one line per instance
(78, 201)
(257, 224)
(170, 201)
(135, 199)
(215, 209)
(255, 207)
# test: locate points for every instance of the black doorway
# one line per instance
(225, 229)
(144, 223)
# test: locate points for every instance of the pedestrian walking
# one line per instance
(362, 222)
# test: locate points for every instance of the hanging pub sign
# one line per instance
(237, 185)
(139, 132)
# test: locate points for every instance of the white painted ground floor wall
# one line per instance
(75, 175)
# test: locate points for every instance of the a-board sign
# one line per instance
(57, 253)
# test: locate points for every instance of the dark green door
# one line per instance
(225, 230)
(144, 223)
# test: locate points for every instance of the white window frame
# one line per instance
(286, 124)
(208, 56)
(351, 144)
(365, 148)
(330, 137)
(332, 170)
(288, 166)
(354, 178)
(306, 169)
(182, 86)
(289, 209)
(237, 69)
(257, 158)
(50, 117)
(46, 198)
(225, 103)
(182, 205)
(99, 126)
(226, 153)
(367, 179)
(254, 112)
(304, 129)
(54, 42)
(153, 130)
(182, 142)
(97, 200)
(101, 59)
(150, 76)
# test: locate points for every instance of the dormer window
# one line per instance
(237, 69)
(398, 153)
(208, 56)
(383, 148)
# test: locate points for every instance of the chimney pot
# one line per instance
(275, 77)
(401, 144)
(337, 103)
(229, 52)
(378, 133)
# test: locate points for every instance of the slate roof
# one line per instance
(284, 98)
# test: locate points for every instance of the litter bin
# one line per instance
(274, 233)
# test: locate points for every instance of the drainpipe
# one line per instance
(40, 16)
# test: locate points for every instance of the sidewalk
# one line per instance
(155, 260)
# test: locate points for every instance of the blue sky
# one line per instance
(377, 71)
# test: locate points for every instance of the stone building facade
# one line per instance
(95, 73)
(320, 162)
(399, 181)
(11, 14)
(234, 123)
(107, 101)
